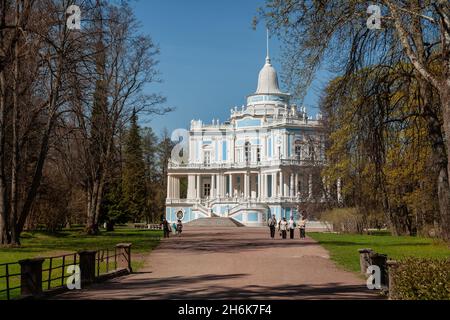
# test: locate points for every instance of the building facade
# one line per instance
(258, 163)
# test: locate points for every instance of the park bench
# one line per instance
(147, 226)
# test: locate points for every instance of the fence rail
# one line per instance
(66, 260)
(8, 276)
(104, 258)
(34, 277)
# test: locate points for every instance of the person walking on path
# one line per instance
(272, 225)
(302, 227)
(291, 226)
(283, 228)
(179, 227)
(166, 228)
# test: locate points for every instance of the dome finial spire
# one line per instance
(268, 53)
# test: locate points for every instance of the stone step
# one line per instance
(215, 222)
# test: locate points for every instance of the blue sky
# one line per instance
(210, 57)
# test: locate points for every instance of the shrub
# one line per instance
(344, 220)
(421, 279)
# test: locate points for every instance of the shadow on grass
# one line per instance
(368, 244)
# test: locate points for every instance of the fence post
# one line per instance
(31, 277)
(124, 255)
(380, 260)
(87, 266)
(391, 267)
(364, 259)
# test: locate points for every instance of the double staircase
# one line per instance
(215, 222)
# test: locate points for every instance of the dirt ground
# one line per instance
(233, 263)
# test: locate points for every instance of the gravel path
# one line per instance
(233, 263)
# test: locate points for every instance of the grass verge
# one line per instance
(42, 244)
(343, 248)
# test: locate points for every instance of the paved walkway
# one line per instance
(233, 263)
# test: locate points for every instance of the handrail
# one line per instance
(55, 269)
(8, 275)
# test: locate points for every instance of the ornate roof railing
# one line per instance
(245, 165)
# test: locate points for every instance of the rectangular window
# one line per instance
(298, 152)
(224, 151)
(269, 186)
(248, 152)
(207, 190)
(269, 147)
(207, 158)
(289, 145)
(216, 146)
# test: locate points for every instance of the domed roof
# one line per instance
(268, 80)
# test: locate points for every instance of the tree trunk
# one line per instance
(91, 224)
(4, 229)
(15, 141)
(95, 198)
(443, 178)
(110, 226)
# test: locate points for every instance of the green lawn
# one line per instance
(41, 244)
(343, 248)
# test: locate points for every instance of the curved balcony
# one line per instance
(244, 165)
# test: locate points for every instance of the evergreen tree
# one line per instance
(134, 190)
(165, 147)
(114, 208)
(152, 175)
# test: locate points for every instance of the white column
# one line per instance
(285, 146)
(296, 185)
(213, 186)
(274, 185)
(264, 185)
(246, 182)
(172, 193)
(222, 185)
(169, 187)
(230, 187)
(259, 185)
(176, 186)
(281, 191)
(191, 187)
(199, 188)
(292, 191)
(219, 186)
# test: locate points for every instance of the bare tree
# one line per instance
(35, 72)
(125, 63)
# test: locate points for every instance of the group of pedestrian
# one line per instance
(167, 228)
(285, 226)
